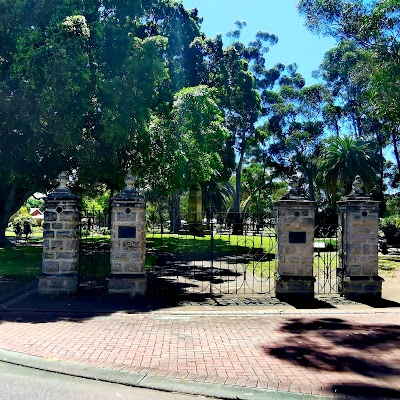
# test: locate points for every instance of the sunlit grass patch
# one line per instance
(388, 265)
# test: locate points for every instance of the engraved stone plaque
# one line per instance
(297, 237)
(127, 232)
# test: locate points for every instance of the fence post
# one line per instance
(359, 220)
(128, 242)
(60, 242)
(295, 236)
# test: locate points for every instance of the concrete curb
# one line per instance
(147, 381)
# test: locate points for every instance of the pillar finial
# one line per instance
(63, 180)
(294, 185)
(129, 181)
(356, 190)
(357, 186)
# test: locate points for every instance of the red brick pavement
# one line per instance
(320, 354)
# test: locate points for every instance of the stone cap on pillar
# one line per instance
(62, 191)
(130, 192)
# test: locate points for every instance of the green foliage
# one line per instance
(32, 202)
(363, 71)
(78, 84)
(97, 202)
(20, 216)
(342, 158)
(393, 205)
(76, 25)
(295, 127)
(187, 146)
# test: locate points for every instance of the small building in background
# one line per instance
(37, 215)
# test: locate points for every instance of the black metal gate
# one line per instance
(327, 262)
(214, 257)
(94, 254)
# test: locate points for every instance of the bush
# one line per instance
(390, 227)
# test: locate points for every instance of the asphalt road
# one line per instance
(18, 382)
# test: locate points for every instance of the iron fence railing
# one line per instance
(224, 254)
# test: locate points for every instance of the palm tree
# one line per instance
(343, 158)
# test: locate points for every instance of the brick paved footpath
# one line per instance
(311, 352)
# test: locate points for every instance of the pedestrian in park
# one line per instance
(18, 230)
(27, 229)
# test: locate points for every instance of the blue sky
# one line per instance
(296, 43)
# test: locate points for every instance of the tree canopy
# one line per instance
(78, 86)
(135, 85)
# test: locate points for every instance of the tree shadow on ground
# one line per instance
(91, 304)
(192, 271)
(188, 248)
(366, 392)
(164, 291)
(336, 345)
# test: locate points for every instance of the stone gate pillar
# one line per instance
(60, 242)
(128, 242)
(295, 248)
(358, 247)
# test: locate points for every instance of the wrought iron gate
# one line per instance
(211, 260)
(327, 262)
(94, 254)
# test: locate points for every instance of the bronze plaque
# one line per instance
(127, 232)
(297, 237)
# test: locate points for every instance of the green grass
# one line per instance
(223, 245)
(19, 266)
(20, 261)
(388, 265)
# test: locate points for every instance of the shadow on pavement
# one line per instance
(380, 303)
(36, 309)
(310, 304)
(366, 392)
(335, 345)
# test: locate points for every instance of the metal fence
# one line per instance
(219, 255)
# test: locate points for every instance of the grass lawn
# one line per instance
(19, 266)
(388, 266)
(221, 244)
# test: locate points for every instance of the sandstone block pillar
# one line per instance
(295, 247)
(128, 242)
(60, 242)
(358, 221)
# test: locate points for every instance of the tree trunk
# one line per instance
(396, 150)
(12, 198)
(310, 179)
(175, 212)
(237, 217)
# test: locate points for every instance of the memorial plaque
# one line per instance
(297, 237)
(127, 232)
